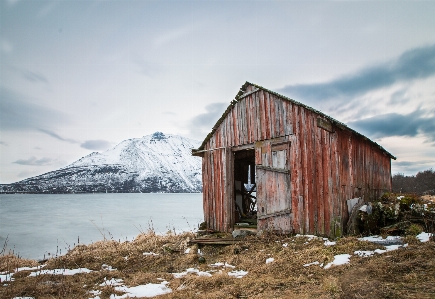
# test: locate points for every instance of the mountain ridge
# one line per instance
(154, 163)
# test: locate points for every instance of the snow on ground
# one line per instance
(313, 263)
(364, 253)
(95, 293)
(6, 277)
(61, 271)
(344, 258)
(379, 239)
(150, 254)
(310, 237)
(330, 243)
(147, 290)
(191, 271)
(111, 282)
(424, 237)
(339, 259)
(219, 264)
(235, 273)
(270, 260)
(107, 267)
(238, 274)
(313, 237)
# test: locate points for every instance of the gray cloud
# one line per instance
(414, 64)
(58, 137)
(394, 124)
(413, 163)
(18, 113)
(34, 77)
(412, 167)
(96, 144)
(399, 98)
(208, 119)
(3, 143)
(203, 123)
(33, 161)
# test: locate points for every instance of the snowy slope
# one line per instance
(154, 163)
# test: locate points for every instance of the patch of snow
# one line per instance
(270, 260)
(147, 290)
(61, 271)
(150, 253)
(310, 237)
(95, 293)
(111, 282)
(363, 253)
(390, 240)
(191, 271)
(424, 237)
(107, 267)
(238, 274)
(220, 264)
(285, 245)
(187, 251)
(339, 259)
(23, 298)
(330, 243)
(29, 268)
(6, 277)
(392, 247)
(313, 263)
(202, 273)
(379, 251)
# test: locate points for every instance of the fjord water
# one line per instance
(38, 225)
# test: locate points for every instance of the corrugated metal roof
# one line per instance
(241, 94)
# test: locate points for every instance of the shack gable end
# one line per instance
(319, 165)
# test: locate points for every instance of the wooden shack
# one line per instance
(303, 165)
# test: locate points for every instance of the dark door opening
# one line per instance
(245, 187)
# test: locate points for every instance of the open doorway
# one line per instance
(245, 199)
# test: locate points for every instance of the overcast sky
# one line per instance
(82, 76)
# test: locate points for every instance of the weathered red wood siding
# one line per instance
(325, 168)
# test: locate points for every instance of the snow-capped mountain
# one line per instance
(154, 163)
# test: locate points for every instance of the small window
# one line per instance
(279, 155)
(279, 159)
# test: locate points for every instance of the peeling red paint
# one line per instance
(325, 164)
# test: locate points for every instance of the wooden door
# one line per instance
(273, 186)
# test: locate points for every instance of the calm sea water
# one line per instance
(34, 225)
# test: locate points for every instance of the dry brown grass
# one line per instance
(405, 273)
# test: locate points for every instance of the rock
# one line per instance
(201, 260)
(239, 233)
